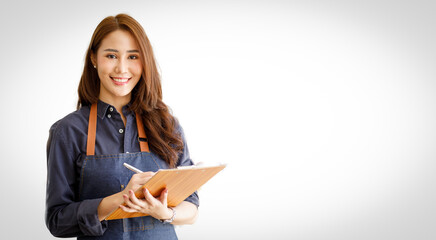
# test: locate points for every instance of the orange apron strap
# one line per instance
(142, 138)
(92, 128)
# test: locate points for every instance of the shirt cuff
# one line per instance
(193, 199)
(87, 217)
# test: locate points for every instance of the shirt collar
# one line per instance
(103, 108)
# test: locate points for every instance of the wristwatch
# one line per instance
(171, 219)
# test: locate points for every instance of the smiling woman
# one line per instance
(120, 118)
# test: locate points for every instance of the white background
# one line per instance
(324, 111)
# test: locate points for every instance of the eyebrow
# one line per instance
(114, 50)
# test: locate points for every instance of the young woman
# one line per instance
(120, 119)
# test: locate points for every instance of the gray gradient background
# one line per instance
(323, 110)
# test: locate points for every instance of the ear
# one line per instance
(93, 59)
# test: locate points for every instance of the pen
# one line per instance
(132, 168)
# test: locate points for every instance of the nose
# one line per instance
(121, 67)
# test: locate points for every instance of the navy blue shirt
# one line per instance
(65, 215)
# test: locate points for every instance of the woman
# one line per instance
(120, 118)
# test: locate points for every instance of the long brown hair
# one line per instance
(160, 125)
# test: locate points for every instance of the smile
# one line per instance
(120, 81)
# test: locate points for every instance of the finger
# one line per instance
(149, 198)
(135, 200)
(164, 197)
(130, 204)
(127, 209)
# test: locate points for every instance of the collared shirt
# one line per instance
(65, 215)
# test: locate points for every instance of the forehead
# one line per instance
(120, 40)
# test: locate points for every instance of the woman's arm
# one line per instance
(65, 216)
(186, 213)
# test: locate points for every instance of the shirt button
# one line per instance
(111, 109)
(109, 116)
(121, 130)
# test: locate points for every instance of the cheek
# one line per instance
(102, 72)
(137, 69)
(104, 63)
(104, 66)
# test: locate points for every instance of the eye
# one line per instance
(133, 57)
(111, 56)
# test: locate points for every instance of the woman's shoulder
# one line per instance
(177, 127)
(72, 122)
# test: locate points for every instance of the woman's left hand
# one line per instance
(155, 207)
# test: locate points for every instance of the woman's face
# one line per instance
(118, 65)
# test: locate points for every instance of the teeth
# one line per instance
(120, 80)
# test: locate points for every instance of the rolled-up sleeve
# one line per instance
(185, 160)
(65, 216)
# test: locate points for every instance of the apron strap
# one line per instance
(92, 129)
(142, 138)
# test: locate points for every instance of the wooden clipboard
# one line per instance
(181, 183)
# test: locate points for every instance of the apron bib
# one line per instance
(104, 175)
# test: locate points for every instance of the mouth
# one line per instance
(120, 81)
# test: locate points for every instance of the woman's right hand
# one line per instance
(112, 202)
(137, 181)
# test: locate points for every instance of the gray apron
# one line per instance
(105, 175)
